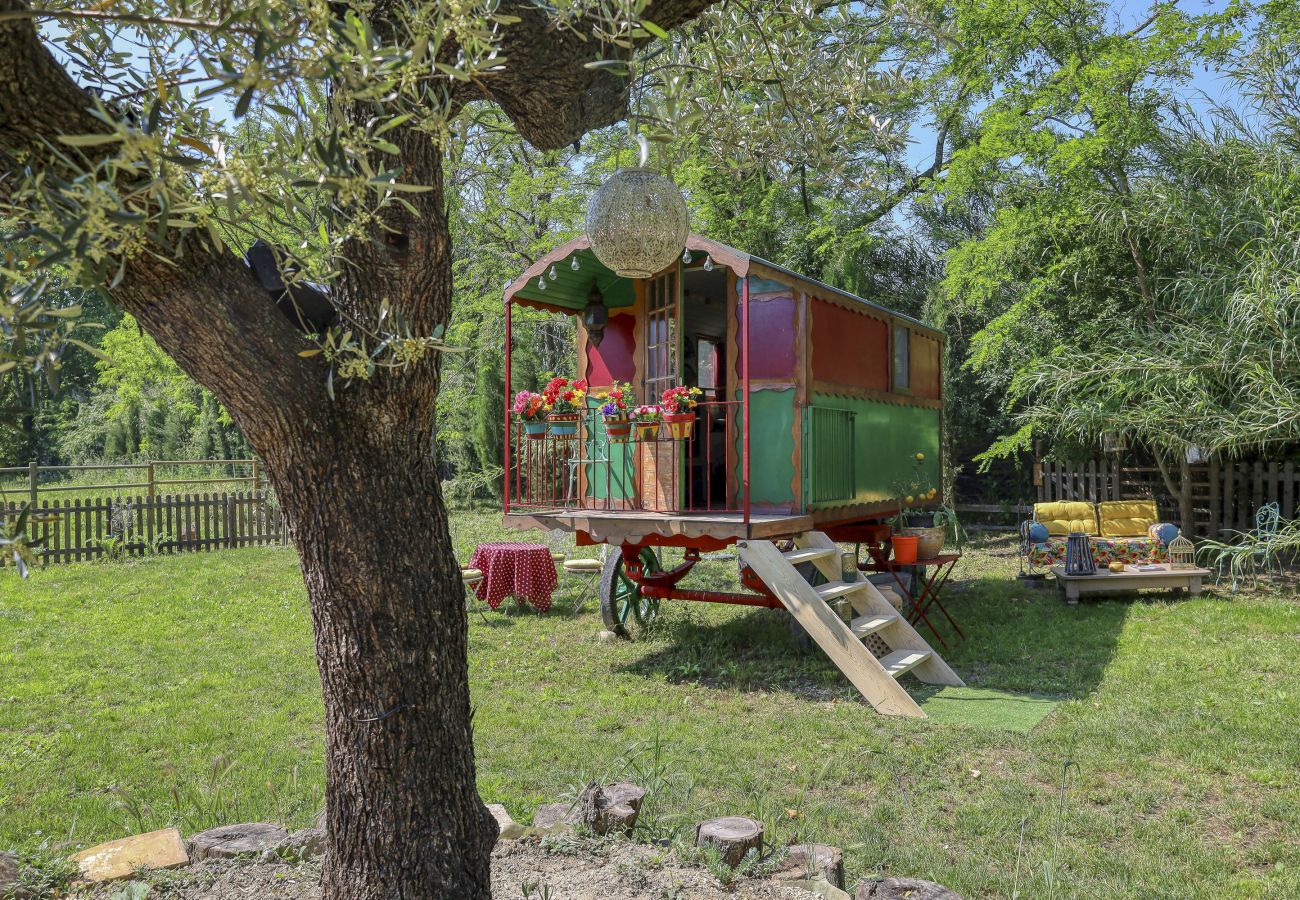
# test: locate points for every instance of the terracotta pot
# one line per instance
(905, 548)
(680, 425)
(618, 430)
(931, 540)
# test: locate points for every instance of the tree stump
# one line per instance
(612, 808)
(733, 836)
(903, 889)
(232, 841)
(813, 861)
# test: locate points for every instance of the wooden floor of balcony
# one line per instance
(616, 526)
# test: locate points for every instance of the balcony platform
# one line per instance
(614, 526)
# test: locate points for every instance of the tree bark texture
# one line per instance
(356, 476)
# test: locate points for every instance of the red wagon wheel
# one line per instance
(621, 600)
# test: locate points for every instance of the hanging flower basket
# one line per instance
(531, 409)
(618, 430)
(645, 422)
(614, 404)
(678, 404)
(567, 402)
(564, 425)
(680, 425)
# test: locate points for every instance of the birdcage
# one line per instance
(1182, 553)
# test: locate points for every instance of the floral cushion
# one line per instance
(1104, 551)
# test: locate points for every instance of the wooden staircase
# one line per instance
(876, 677)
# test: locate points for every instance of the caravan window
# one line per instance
(901, 361)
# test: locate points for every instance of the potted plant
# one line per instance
(531, 409)
(646, 419)
(614, 407)
(912, 524)
(568, 402)
(678, 404)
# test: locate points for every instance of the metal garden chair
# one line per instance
(586, 571)
(1254, 548)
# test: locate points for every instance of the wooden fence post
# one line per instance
(33, 473)
(150, 504)
(231, 517)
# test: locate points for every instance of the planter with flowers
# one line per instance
(531, 409)
(568, 403)
(912, 537)
(615, 410)
(678, 404)
(645, 421)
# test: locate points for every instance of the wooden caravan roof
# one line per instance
(568, 293)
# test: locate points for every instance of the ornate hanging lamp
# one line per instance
(637, 221)
(595, 316)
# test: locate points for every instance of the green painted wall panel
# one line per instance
(887, 438)
(771, 459)
(617, 479)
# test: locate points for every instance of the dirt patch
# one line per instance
(592, 871)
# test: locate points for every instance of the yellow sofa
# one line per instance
(1127, 531)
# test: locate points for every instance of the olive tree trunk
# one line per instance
(356, 473)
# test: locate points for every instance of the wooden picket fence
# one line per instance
(1224, 495)
(82, 529)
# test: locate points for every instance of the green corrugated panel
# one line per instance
(829, 455)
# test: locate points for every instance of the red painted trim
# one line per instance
(702, 543)
(744, 384)
(505, 469)
(713, 597)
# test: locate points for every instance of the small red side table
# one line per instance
(922, 598)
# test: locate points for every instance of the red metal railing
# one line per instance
(663, 474)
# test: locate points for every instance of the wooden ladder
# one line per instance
(875, 677)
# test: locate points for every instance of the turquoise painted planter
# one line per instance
(564, 425)
(535, 430)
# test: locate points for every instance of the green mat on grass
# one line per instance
(985, 708)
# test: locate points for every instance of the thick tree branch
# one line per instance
(545, 86)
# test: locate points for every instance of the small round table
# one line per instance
(525, 571)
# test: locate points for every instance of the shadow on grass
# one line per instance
(1017, 640)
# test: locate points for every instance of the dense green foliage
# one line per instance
(1077, 228)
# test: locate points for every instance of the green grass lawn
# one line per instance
(183, 690)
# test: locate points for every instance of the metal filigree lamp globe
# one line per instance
(637, 221)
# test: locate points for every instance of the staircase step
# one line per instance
(870, 624)
(901, 661)
(833, 589)
(802, 555)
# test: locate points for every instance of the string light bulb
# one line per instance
(551, 274)
(708, 263)
(541, 282)
(686, 257)
(575, 265)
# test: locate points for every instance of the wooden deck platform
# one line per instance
(619, 526)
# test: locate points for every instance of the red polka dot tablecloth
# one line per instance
(521, 570)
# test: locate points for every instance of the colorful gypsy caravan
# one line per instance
(810, 406)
